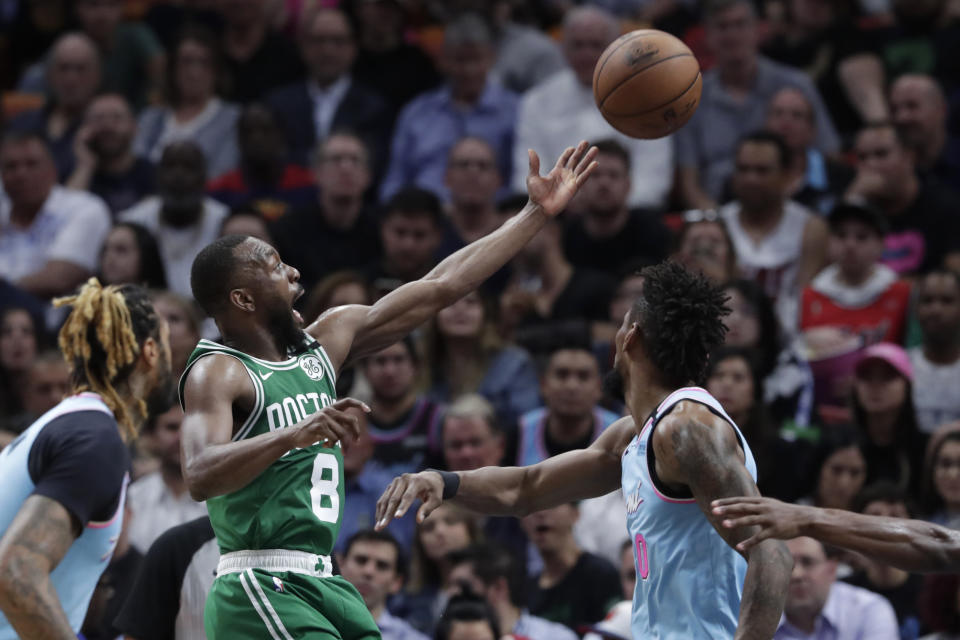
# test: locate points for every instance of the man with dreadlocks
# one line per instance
(262, 427)
(64, 479)
(677, 451)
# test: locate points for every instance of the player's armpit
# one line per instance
(34, 544)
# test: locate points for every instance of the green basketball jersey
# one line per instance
(297, 502)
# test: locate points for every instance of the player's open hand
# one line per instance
(553, 191)
(426, 486)
(776, 519)
(330, 424)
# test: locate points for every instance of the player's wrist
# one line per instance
(451, 482)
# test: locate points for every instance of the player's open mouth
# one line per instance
(297, 316)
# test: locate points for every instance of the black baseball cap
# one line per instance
(860, 212)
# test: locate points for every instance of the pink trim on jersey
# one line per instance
(123, 501)
(646, 467)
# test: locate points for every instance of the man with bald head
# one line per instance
(72, 77)
(180, 216)
(563, 106)
(812, 179)
(919, 111)
(330, 98)
(103, 147)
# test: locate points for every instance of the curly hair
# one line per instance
(681, 317)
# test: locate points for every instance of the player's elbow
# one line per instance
(196, 481)
(774, 554)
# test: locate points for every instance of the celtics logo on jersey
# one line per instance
(311, 366)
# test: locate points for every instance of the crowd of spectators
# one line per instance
(818, 183)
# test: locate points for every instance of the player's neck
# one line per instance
(258, 342)
(643, 392)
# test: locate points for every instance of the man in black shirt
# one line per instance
(336, 232)
(575, 588)
(608, 234)
(924, 225)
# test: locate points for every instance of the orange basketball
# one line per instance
(647, 84)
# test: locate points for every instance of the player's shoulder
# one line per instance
(689, 421)
(216, 372)
(616, 438)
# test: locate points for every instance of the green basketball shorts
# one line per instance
(283, 598)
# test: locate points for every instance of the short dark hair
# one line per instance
(466, 609)
(768, 137)
(213, 271)
(882, 491)
(152, 274)
(413, 201)
(490, 563)
(682, 321)
(199, 34)
(611, 147)
(382, 537)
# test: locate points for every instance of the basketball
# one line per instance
(647, 84)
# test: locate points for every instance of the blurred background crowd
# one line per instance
(368, 139)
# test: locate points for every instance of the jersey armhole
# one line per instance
(257, 390)
(662, 488)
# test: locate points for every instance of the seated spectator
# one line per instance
(561, 110)
(734, 101)
(473, 179)
(837, 470)
(575, 588)
(130, 55)
(919, 111)
(900, 588)
(936, 361)
(386, 62)
(265, 180)
(494, 575)
(130, 255)
(812, 179)
(704, 246)
(629, 288)
(824, 40)
(883, 410)
(404, 424)
(160, 500)
(466, 355)
(364, 480)
(787, 379)
(411, 230)
(779, 244)
(470, 103)
(256, 58)
(856, 293)
(337, 289)
(180, 216)
(105, 163)
(49, 235)
(330, 99)
(19, 345)
(468, 618)
(448, 528)
(818, 606)
(924, 228)
(193, 110)
(941, 477)
(246, 221)
(374, 563)
(609, 234)
(732, 377)
(73, 77)
(342, 232)
(46, 383)
(184, 322)
(545, 288)
(170, 591)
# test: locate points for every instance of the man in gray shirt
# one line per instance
(734, 99)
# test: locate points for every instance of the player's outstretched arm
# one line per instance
(36, 541)
(517, 491)
(697, 449)
(359, 330)
(911, 545)
(212, 464)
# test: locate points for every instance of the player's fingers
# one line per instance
(737, 500)
(736, 509)
(386, 505)
(431, 503)
(586, 159)
(409, 495)
(744, 521)
(577, 154)
(534, 162)
(350, 403)
(586, 173)
(753, 540)
(564, 157)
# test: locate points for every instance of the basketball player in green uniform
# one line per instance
(263, 425)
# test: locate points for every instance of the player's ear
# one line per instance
(242, 299)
